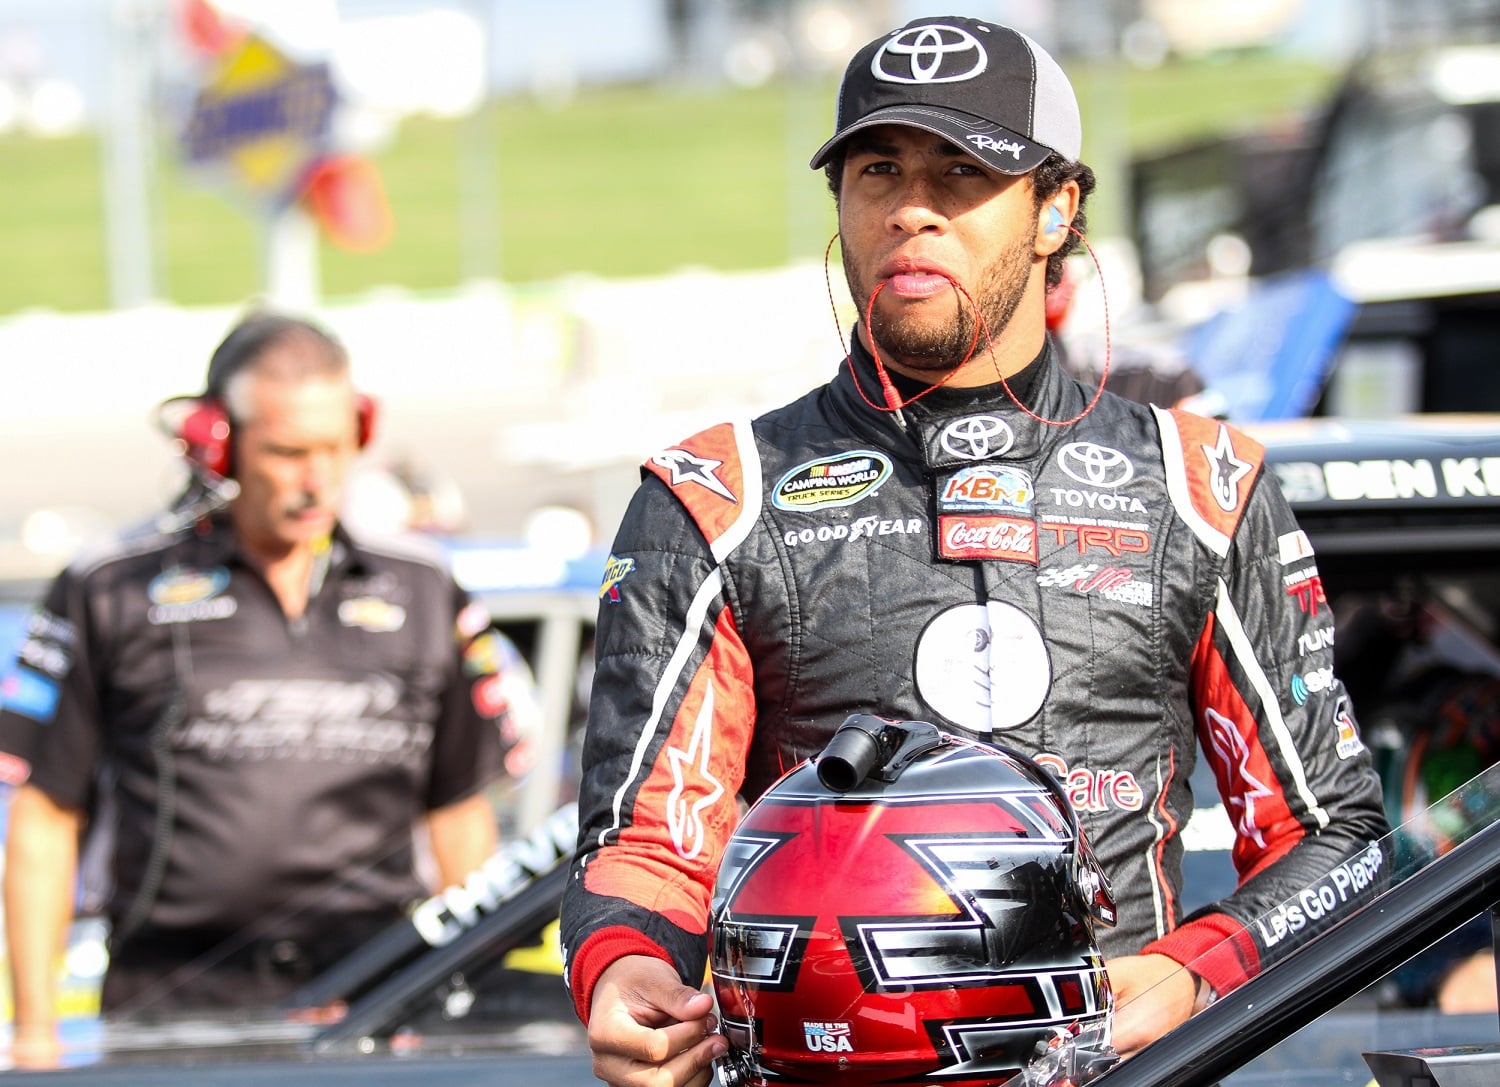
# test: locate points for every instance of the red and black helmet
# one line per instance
(910, 908)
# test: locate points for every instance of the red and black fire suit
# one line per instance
(1108, 596)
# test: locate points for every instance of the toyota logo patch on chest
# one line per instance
(978, 437)
(1096, 465)
(934, 53)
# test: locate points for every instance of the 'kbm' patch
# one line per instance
(999, 489)
(831, 481)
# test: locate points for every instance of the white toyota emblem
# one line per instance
(978, 437)
(1096, 465)
(921, 53)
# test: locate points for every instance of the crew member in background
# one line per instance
(1159, 374)
(953, 530)
(268, 705)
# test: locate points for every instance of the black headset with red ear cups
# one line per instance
(205, 430)
(205, 433)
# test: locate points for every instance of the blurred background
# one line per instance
(558, 236)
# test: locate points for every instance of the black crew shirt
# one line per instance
(293, 755)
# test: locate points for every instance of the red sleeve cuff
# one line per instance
(1215, 947)
(596, 954)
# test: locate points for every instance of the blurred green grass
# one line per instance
(620, 182)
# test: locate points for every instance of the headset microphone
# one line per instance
(213, 495)
(202, 433)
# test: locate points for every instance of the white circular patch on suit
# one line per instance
(984, 666)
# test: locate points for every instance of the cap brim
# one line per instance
(998, 148)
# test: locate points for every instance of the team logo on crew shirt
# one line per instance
(183, 594)
(832, 481)
(372, 615)
(182, 585)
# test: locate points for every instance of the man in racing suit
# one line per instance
(1102, 585)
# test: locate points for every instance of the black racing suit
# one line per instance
(1106, 595)
(264, 772)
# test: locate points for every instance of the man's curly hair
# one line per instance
(1046, 180)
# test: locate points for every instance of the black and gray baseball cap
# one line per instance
(988, 88)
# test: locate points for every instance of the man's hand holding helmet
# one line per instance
(1153, 994)
(648, 1029)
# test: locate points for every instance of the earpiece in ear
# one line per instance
(1055, 220)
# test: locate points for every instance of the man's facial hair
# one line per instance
(922, 345)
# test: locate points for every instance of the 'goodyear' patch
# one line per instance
(832, 481)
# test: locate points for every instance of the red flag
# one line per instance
(346, 196)
(205, 29)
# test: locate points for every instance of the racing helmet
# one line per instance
(910, 907)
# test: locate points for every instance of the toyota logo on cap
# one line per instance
(934, 53)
